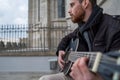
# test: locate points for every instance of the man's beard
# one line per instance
(77, 19)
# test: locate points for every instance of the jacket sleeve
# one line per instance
(65, 41)
(115, 44)
(115, 39)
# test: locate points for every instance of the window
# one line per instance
(61, 8)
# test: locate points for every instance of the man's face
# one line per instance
(76, 11)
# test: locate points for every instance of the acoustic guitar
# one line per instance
(106, 64)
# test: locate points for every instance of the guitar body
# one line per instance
(67, 67)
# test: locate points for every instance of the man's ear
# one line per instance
(85, 3)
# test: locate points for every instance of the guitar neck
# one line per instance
(98, 62)
(94, 58)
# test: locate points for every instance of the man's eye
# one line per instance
(71, 5)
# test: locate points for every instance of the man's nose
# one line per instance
(69, 10)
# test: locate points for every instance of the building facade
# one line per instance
(44, 15)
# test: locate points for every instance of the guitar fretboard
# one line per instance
(94, 58)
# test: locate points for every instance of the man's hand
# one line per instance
(60, 60)
(80, 71)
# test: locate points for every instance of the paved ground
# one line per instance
(21, 75)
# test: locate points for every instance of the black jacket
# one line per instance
(103, 31)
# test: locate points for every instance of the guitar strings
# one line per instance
(92, 57)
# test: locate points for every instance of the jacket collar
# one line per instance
(93, 20)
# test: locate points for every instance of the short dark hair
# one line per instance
(93, 2)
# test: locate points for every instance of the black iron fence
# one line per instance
(31, 38)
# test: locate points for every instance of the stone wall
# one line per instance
(111, 7)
